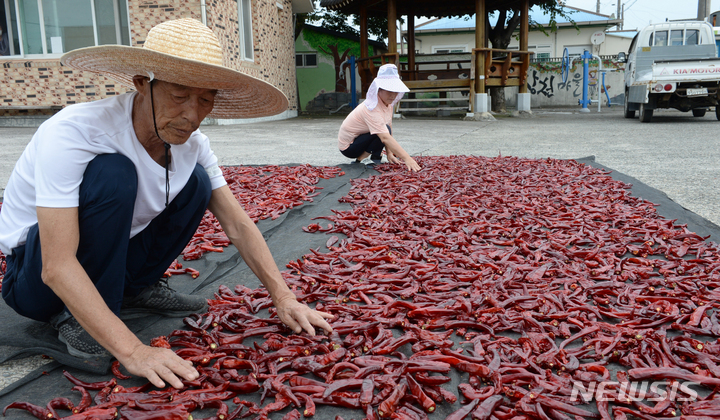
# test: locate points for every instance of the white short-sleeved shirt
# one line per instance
(50, 170)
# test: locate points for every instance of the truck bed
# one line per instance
(650, 55)
(686, 70)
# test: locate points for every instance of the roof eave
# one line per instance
(607, 23)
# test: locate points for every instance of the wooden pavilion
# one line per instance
(489, 67)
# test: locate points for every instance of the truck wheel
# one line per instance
(645, 114)
(699, 112)
(628, 113)
(717, 111)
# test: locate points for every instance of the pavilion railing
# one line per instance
(368, 67)
(502, 67)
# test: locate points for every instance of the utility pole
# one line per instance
(597, 8)
(703, 9)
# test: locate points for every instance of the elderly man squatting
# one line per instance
(113, 190)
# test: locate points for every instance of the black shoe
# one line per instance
(79, 343)
(162, 300)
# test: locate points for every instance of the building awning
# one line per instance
(302, 6)
(426, 8)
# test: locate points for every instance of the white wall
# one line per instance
(548, 90)
(554, 44)
(615, 44)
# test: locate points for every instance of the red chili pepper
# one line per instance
(366, 391)
(473, 369)
(463, 411)
(292, 415)
(178, 413)
(95, 413)
(59, 402)
(388, 406)
(331, 357)
(434, 380)
(342, 385)
(84, 402)
(416, 390)
(116, 370)
(487, 407)
(155, 342)
(87, 385)
(309, 405)
(37, 411)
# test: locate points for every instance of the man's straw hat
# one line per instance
(187, 53)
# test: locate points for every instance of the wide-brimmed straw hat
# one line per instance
(187, 53)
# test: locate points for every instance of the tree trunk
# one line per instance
(499, 37)
(497, 95)
(340, 82)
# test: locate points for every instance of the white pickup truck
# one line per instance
(672, 65)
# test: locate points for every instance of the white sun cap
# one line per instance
(387, 79)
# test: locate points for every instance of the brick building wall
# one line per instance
(44, 83)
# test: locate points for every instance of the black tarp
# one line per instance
(287, 242)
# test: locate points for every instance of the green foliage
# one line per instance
(552, 8)
(320, 41)
(343, 23)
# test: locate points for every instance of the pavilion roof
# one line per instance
(426, 8)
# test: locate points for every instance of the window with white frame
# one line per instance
(53, 27)
(449, 49)
(305, 60)
(542, 52)
(245, 29)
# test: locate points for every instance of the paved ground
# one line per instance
(676, 153)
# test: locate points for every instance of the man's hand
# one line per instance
(300, 317)
(160, 365)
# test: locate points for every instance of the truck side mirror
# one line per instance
(621, 57)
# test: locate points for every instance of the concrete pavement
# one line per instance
(676, 153)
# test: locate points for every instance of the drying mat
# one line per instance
(287, 242)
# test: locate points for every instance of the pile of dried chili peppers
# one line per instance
(264, 192)
(525, 280)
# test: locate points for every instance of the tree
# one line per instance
(341, 22)
(344, 24)
(500, 36)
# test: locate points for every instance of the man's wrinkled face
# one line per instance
(179, 110)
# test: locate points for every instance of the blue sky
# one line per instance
(642, 12)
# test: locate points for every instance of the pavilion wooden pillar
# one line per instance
(392, 26)
(363, 68)
(363, 30)
(411, 43)
(480, 13)
(524, 33)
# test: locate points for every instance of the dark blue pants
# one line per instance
(367, 142)
(118, 265)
